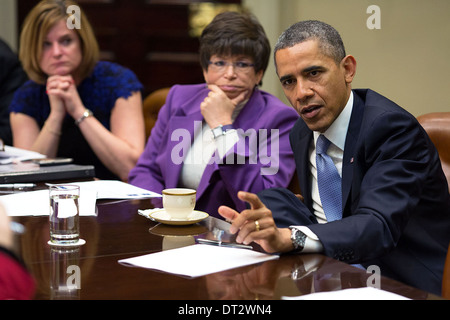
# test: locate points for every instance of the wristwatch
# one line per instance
(298, 239)
(87, 113)
(221, 130)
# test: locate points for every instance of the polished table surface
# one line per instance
(119, 232)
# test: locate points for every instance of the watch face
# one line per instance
(217, 132)
(298, 239)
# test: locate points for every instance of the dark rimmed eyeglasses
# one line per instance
(239, 66)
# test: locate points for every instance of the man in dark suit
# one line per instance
(393, 198)
(12, 77)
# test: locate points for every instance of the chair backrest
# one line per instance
(437, 125)
(151, 104)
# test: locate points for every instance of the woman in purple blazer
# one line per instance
(226, 135)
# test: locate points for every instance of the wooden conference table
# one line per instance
(119, 232)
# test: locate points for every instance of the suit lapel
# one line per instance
(182, 127)
(301, 138)
(305, 180)
(349, 149)
(250, 114)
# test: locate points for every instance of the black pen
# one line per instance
(223, 244)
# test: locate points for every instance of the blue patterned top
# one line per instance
(98, 92)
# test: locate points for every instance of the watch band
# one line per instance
(298, 239)
(221, 130)
(87, 113)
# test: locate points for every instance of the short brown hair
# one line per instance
(232, 33)
(330, 41)
(35, 28)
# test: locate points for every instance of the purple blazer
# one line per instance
(264, 115)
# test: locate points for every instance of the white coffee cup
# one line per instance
(179, 202)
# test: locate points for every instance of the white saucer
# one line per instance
(79, 243)
(160, 215)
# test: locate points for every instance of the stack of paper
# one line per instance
(113, 189)
(36, 203)
(12, 154)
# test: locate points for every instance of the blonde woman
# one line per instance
(74, 105)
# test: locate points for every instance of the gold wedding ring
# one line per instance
(257, 225)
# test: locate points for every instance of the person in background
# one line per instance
(225, 135)
(16, 283)
(74, 105)
(12, 77)
(389, 195)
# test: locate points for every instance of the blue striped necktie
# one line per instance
(329, 181)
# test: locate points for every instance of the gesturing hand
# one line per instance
(257, 224)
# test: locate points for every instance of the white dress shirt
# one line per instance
(336, 133)
(203, 148)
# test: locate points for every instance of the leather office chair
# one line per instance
(151, 104)
(437, 125)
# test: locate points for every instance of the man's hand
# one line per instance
(257, 224)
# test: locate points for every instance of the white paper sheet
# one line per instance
(198, 260)
(366, 293)
(12, 154)
(114, 189)
(36, 203)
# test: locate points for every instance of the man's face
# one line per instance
(316, 86)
